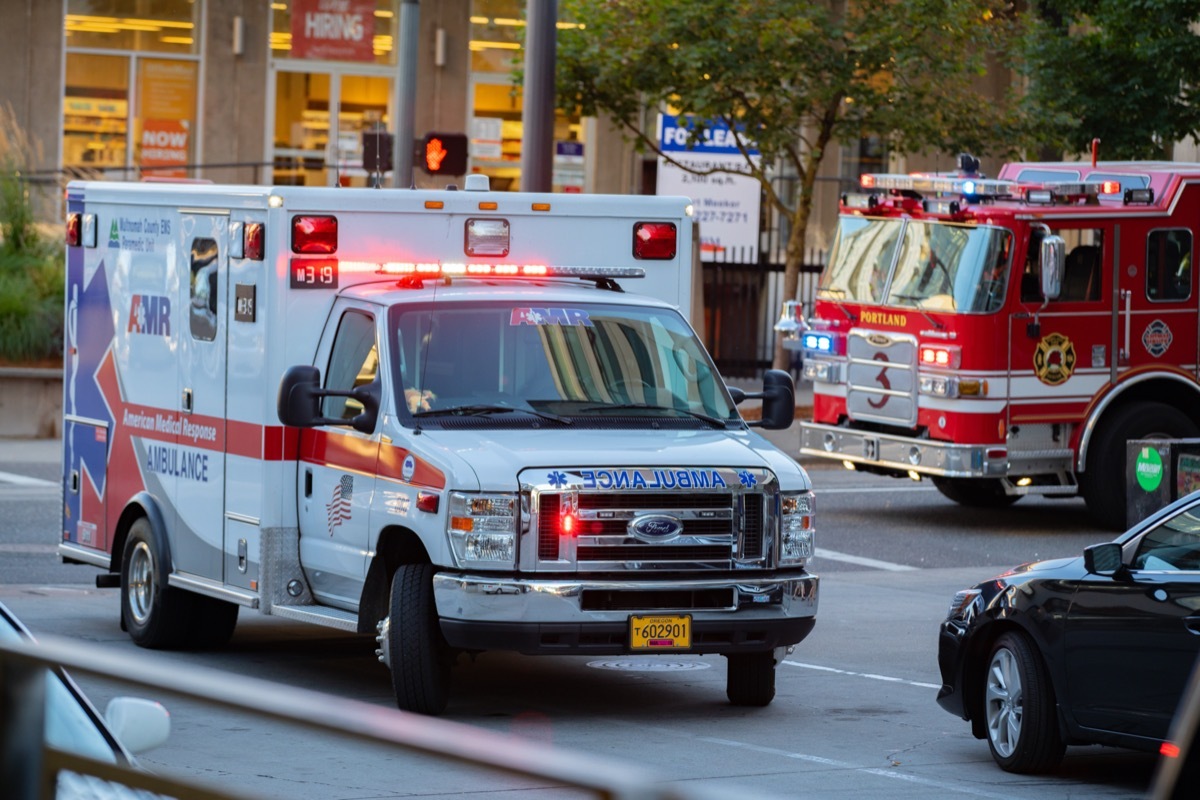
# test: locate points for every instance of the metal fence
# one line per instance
(29, 769)
(742, 302)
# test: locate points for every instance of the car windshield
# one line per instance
(484, 359)
(918, 264)
(69, 726)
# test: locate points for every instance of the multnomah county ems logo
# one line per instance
(1054, 360)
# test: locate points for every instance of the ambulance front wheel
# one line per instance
(418, 654)
(154, 614)
(750, 678)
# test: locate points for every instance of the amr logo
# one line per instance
(882, 380)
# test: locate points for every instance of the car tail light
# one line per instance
(654, 240)
(253, 239)
(74, 229)
(314, 235)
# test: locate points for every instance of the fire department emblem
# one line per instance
(1054, 359)
(1157, 338)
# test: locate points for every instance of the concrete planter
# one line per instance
(30, 403)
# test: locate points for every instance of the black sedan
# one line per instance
(1088, 650)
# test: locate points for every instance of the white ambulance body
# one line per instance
(432, 416)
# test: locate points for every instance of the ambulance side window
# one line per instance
(353, 362)
(1169, 265)
(203, 308)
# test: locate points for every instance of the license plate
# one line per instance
(660, 632)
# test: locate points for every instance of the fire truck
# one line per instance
(433, 417)
(1006, 337)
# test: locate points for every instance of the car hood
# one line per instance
(493, 458)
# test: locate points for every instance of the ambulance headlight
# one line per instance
(797, 530)
(483, 529)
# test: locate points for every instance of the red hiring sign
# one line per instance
(333, 30)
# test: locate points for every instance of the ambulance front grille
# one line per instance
(719, 530)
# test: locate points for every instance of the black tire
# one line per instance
(1018, 708)
(155, 615)
(975, 492)
(750, 678)
(1104, 480)
(420, 657)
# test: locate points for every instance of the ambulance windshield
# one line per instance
(577, 363)
(931, 266)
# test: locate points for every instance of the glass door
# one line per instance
(319, 121)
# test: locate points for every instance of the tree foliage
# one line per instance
(1125, 71)
(797, 76)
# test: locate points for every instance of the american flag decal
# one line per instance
(338, 510)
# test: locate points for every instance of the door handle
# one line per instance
(187, 400)
(1192, 624)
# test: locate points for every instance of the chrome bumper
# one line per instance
(901, 453)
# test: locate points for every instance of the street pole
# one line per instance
(537, 117)
(406, 93)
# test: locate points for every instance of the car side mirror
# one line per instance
(1051, 263)
(1103, 559)
(139, 724)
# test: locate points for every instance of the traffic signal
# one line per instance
(444, 153)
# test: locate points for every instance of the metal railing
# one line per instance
(29, 769)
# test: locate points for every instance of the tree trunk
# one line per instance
(794, 259)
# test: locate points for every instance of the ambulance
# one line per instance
(455, 420)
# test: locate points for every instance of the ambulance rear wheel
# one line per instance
(154, 614)
(975, 492)
(419, 656)
(1104, 482)
(214, 621)
(750, 678)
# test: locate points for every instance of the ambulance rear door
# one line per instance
(199, 462)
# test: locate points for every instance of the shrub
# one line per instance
(31, 264)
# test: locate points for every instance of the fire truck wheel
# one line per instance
(420, 657)
(154, 614)
(975, 492)
(750, 678)
(1103, 482)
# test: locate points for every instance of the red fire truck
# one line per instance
(1005, 337)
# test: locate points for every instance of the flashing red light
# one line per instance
(1169, 750)
(1110, 187)
(314, 235)
(567, 525)
(253, 241)
(428, 502)
(654, 240)
(941, 356)
(867, 181)
(74, 229)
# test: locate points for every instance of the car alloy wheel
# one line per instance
(1004, 702)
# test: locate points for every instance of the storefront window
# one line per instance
(348, 30)
(134, 110)
(497, 33)
(163, 26)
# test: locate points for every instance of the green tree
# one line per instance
(796, 76)
(1124, 71)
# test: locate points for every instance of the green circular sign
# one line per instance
(1149, 469)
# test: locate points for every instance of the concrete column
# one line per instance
(234, 115)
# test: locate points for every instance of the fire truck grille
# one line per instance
(882, 377)
(717, 530)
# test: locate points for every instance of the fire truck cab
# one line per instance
(432, 417)
(1006, 337)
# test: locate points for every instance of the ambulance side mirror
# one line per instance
(779, 400)
(300, 394)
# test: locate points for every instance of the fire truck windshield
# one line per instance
(585, 360)
(928, 265)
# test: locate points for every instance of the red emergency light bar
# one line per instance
(434, 270)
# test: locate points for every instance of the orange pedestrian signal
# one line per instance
(444, 153)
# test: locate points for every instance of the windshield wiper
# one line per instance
(485, 409)
(712, 421)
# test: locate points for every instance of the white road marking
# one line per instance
(870, 676)
(23, 480)
(862, 561)
(941, 786)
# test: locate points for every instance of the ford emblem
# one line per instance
(655, 528)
